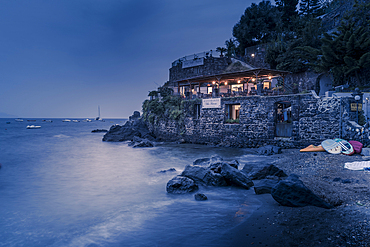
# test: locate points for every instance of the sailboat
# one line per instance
(98, 117)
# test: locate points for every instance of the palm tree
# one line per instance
(221, 50)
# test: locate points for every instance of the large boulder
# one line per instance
(292, 192)
(264, 186)
(267, 171)
(128, 131)
(235, 177)
(203, 175)
(269, 150)
(208, 161)
(181, 185)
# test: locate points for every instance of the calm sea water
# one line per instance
(60, 185)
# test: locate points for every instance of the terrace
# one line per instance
(250, 82)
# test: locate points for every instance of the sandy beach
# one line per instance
(344, 225)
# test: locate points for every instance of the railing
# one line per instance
(209, 53)
(265, 92)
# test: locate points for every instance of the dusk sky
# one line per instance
(63, 58)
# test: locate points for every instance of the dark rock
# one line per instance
(168, 170)
(200, 197)
(264, 186)
(202, 162)
(234, 164)
(203, 175)
(99, 131)
(266, 171)
(128, 131)
(235, 177)
(181, 185)
(292, 192)
(269, 150)
(337, 179)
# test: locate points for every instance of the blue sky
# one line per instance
(63, 58)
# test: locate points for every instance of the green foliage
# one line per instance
(289, 13)
(165, 91)
(258, 24)
(231, 45)
(346, 52)
(311, 8)
(169, 107)
(221, 50)
(153, 93)
(232, 121)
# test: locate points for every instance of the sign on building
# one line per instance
(192, 63)
(211, 103)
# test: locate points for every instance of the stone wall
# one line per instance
(314, 119)
(211, 66)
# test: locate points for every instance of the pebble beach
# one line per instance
(347, 224)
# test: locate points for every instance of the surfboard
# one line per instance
(313, 148)
(357, 146)
(331, 146)
(347, 148)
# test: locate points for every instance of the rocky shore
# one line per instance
(346, 224)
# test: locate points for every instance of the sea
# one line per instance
(61, 185)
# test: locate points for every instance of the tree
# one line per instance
(346, 52)
(310, 8)
(258, 24)
(289, 12)
(221, 50)
(297, 54)
(231, 45)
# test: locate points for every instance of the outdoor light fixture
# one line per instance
(239, 81)
(252, 55)
(213, 82)
(225, 82)
(269, 77)
(253, 79)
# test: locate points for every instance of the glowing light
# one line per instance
(213, 82)
(253, 79)
(252, 55)
(225, 82)
(239, 81)
(269, 77)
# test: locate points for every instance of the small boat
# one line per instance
(86, 120)
(18, 120)
(49, 121)
(31, 120)
(66, 120)
(76, 121)
(33, 127)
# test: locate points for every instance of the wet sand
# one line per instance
(347, 224)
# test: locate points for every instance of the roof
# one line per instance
(252, 73)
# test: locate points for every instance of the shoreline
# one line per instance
(347, 224)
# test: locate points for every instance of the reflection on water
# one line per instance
(62, 186)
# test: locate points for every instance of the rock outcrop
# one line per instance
(214, 172)
(99, 131)
(135, 127)
(181, 185)
(266, 172)
(200, 197)
(292, 192)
